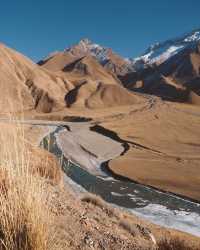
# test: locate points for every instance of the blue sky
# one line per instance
(39, 27)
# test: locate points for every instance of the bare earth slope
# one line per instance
(97, 95)
(88, 68)
(23, 83)
(26, 86)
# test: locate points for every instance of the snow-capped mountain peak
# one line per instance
(86, 46)
(193, 37)
(160, 52)
(155, 54)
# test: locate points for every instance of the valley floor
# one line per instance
(155, 143)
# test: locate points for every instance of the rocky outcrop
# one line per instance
(43, 103)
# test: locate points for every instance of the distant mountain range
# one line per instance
(155, 54)
(89, 75)
(168, 69)
(160, 52)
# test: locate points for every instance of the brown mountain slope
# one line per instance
(111, 61)
(116, 64)
(176, 79)
(88, 68)
(94, 86)
(25, 86)
(57, 61)
(99, 95)
(23, 83)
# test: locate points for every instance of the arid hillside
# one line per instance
(23, 83)
(27, 87)
(139, 123)
(79, 86)
(40, 211)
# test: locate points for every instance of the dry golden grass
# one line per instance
(26, 222)
(99, 202)
(131, 228)
(175, 244)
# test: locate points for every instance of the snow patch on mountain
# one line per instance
(155, 54)
(194, 37)
(160, 52)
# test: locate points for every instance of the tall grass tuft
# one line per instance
(26, 222)
(175, 244)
